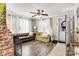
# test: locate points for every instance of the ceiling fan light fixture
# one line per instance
(39, 13)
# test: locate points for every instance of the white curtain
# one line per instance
(43, 25)
(18, 25)
(15, 25)
(8, 22)
(25, 25)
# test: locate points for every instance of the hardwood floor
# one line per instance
(58, 50)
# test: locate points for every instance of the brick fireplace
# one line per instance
(6, 42)
(6, 39)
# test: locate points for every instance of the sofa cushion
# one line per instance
(30, 33)
(42, 36)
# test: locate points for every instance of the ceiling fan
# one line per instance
(39, 13)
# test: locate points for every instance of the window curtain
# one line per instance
(18, 24)
(25, 25)
(43, 25)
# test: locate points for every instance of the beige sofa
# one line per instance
(42, 36)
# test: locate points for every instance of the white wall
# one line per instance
(55, 27)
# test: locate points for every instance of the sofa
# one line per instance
(43, 37)
(23, 37)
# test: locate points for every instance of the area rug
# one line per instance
(36, 48)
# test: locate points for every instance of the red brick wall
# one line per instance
(6, 42)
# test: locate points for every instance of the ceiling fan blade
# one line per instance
(45, 14)
(34, 15)
(33, 12)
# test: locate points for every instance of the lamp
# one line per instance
(35, 29)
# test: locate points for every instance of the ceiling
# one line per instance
(50, 8)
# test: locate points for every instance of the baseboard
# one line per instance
(55, 41)
(61, 41)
